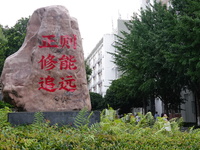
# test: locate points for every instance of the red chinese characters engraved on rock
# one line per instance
(48, 42)
(48, 62)
(68, 41)
(67, 62)
(67, 84)
(47, 84)
(65, 41)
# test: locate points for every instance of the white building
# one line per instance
(100, 61)
(188, 110)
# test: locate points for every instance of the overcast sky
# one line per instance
(95, 17)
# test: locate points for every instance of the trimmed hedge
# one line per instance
(109, 134)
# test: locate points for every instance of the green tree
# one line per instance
(2, 37)
(185, 48)
(141, 52)
(3, 40)
(88, 71)
(97, 101)
(15, 38)
(121, 94)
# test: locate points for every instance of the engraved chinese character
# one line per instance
(47, 84)
(67, 84)
(48, 62)
(48, 42)
(68, 41)
(67, 62)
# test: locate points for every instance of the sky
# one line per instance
(95, 17)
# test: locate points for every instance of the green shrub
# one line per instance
(111, 133)
(4, 104)
(4, 116)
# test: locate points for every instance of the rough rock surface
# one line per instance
(48, 72)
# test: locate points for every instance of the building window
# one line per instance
(100, 74)
(94, 89)
(100, 88)
(186, 96)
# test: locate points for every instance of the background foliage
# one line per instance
(88, 71)
(97, 101)
(121, 95)
(14, 39)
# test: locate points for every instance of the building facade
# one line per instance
(188, 109)
(104, 71)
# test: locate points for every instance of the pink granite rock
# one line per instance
(48, 72)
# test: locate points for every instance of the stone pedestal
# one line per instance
(61, 118)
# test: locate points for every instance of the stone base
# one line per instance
(60, 118)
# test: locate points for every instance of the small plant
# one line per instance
(108, 114)
(38, 118)
(146, 120)
(82, 119)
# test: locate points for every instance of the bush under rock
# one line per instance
(111, 133)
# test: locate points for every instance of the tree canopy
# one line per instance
(185, 49)
(160, 53)
(122, 94)
(97, 101)
(2, 37)
(88, 70)
(14, 37)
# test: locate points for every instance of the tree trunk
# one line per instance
(152, 104)
(144, 106)
(166, 108)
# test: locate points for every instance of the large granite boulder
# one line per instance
(48, 72)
